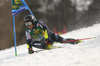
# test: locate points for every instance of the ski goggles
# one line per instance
(28, 23)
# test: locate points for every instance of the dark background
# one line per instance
(54, 14)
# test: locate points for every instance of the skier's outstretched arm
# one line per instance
(29, 40)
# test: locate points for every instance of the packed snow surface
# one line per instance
(86, 53)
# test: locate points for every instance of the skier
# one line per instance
(38, 35)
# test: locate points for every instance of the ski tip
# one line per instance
(77, 42)
(94, 37)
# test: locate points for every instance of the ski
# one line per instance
(53, 47)
(36, 51)
(79, 40)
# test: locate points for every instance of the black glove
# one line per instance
(30, 50)
(43, 43)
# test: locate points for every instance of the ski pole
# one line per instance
(39, 50)
(79, 39)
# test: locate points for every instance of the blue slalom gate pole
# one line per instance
(14, 35)
(28, 9)
(32, 14)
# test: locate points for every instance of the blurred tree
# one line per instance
(91, 16)
(65, 14)
(59, 13)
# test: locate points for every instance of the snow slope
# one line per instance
(83, 54)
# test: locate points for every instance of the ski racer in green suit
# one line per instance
(38, 35)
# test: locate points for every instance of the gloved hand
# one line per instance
(30, 50)
(43, 43)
